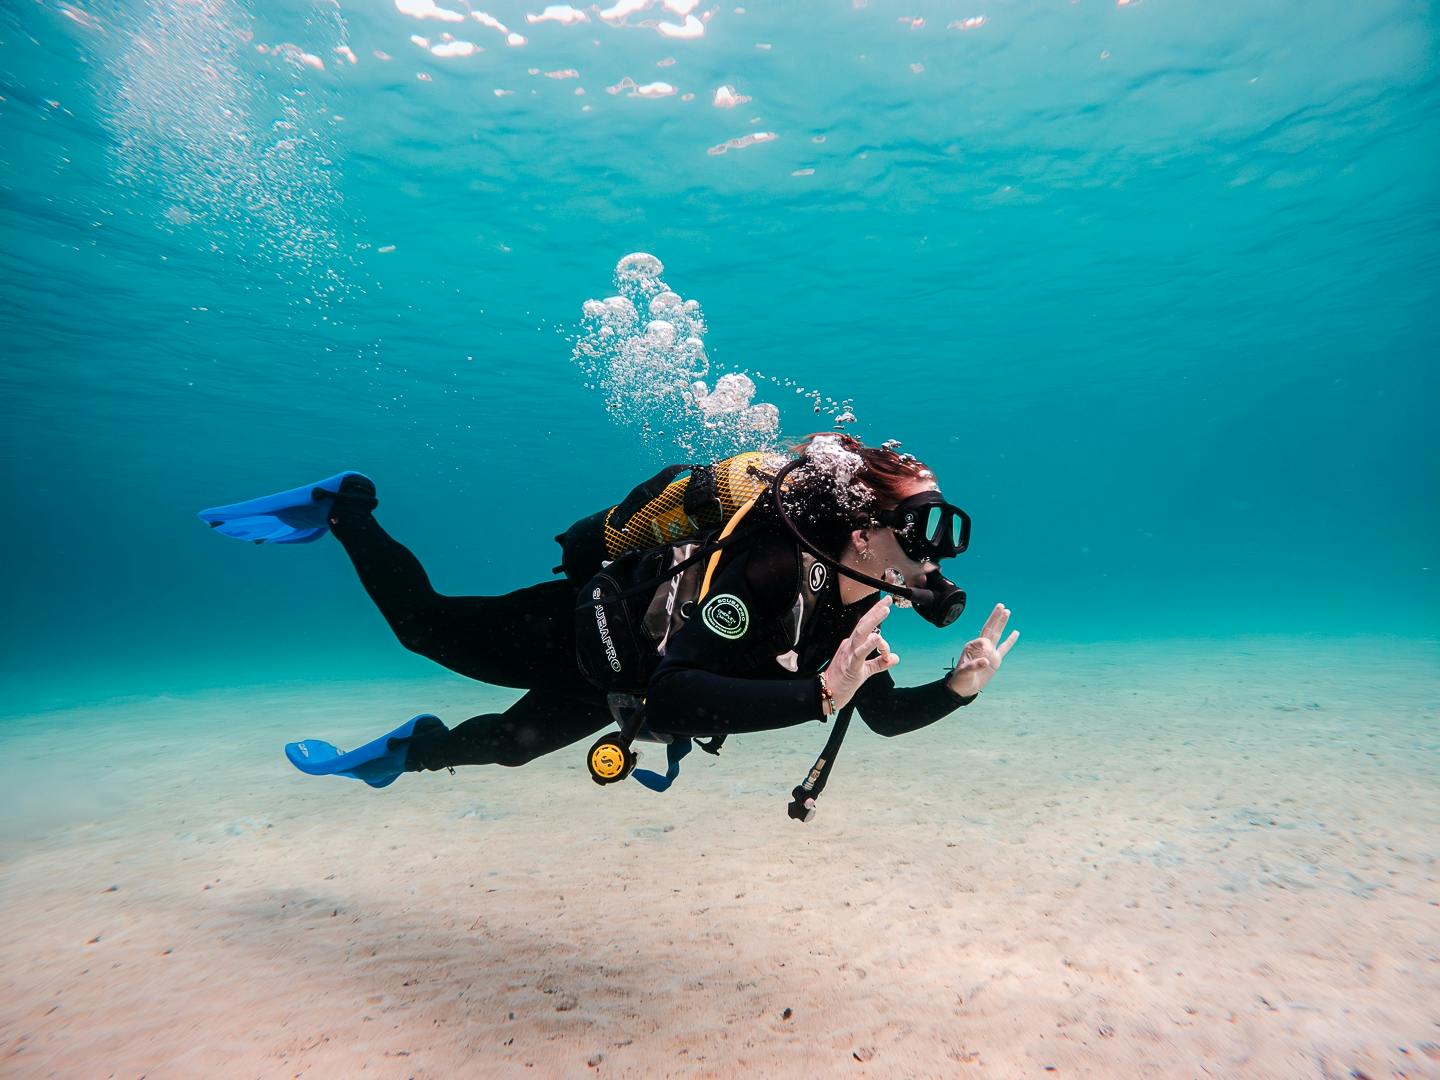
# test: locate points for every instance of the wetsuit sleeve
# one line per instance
(891, 710)
(697, 689)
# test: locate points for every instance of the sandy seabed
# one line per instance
(1172, 859)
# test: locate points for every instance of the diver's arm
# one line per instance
(684, 700)
(891, 710)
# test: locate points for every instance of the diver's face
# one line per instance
(888, 551)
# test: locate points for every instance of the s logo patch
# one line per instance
(817, 577)
(726, 616)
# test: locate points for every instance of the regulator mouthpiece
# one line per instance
(941, 601)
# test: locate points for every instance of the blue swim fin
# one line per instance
(297, 516)
(378, 763)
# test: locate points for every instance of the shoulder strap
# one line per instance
(718, 550)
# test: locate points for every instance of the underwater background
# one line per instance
(1151, 285)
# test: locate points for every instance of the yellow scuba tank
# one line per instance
(678, 502)
(706, 498)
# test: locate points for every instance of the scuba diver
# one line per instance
(745, 595)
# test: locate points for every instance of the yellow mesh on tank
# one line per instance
(663, 519)
(736, 484)
(659, 521)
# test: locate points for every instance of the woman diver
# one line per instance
(746, 596)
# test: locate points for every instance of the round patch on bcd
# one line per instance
(726, 615)
(817, 577)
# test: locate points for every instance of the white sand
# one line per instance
(1161, 860)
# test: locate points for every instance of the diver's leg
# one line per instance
(540, 722)
(524, 639)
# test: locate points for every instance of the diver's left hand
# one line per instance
(982, 657)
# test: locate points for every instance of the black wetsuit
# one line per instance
(718, 675)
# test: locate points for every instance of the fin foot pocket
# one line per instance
(378, 763)
(356, 491)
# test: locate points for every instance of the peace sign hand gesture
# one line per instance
(850, 667)
(981, 658)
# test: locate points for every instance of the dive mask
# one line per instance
(927, 527)
(944, 529)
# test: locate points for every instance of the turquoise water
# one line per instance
(1151, 286)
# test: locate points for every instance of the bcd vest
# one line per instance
(620, 639)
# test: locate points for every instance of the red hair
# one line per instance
(887, 474)
(827, 501)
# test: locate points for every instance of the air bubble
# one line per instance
(663, 302)
(652, 374)
(639, 266)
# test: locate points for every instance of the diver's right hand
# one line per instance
(852, 663)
